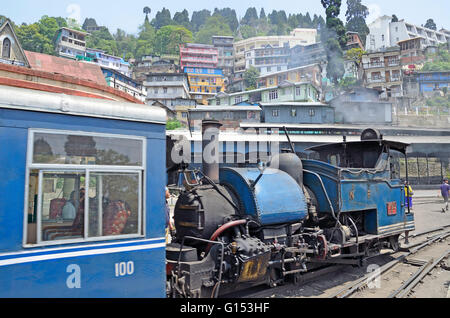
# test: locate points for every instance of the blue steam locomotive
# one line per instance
(238, 227)
(82, 206)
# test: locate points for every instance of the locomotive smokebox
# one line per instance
(210, 148)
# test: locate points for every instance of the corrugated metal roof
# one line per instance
(225, 108)
(294, 104)
(59, 65)
(320, 139)
(32, 100)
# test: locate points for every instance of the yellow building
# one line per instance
(308, 73)
(204, 83)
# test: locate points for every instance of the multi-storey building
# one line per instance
(384, 33)
(285, 92)
(109, 61)
(204, 83)
(301, 55)
(165, 87)
(153, 64)
(383, 71)
(308, 73)
(229, 116)
(353, 41)
(198, 55)
(124, 83)
(412, 52)
(296, 37)
(297, 113)
(268, 59)
(71, 43)
(224, 45)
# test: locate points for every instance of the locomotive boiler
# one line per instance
(237, 227)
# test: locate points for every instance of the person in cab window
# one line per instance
(69, 210)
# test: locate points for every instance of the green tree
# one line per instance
(199, 18)
(89, 22)
(347, 83)
(251, 78)
(146, 11)
(229, 16)
(145, 40)
(356, 18)
(262, 14)
(430, 24)
(394, 18)
(40, 36)
(102, 40)
(162, 18)
(333, 36)
(355, 55)
(438, 62)
(182, 18)
(126, 44)
(250, 17)
(173, 124)
(169, 38)
(215, 25)
(247, 31)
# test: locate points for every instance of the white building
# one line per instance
(110, 61)
(385, 33)
(124, 83)
(296, 37)
(71, 43)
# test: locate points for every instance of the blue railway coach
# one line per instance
(81, 197)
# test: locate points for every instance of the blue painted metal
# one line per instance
(48, 271)
(354, 190)
(276, 198)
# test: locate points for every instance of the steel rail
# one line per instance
(349, 290)
(425, 271)
(413, 277)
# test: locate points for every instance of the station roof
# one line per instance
(222, 108)
(396, 145)
(240, 136)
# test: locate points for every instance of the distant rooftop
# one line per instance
(60, 65)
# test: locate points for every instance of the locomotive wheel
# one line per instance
(393, 241)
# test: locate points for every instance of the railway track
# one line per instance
(425, 267)
(387, 263)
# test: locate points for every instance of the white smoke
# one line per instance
(374, 12)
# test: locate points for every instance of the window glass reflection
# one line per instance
(51, 148)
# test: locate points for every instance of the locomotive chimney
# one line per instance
(210, 148)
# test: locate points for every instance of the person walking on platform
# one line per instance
(408, 195)
(445, 190)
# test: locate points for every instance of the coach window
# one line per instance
(83, 186)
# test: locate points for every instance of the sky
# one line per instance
(128, 15)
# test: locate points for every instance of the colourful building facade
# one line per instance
(198, 55)
(204, 83)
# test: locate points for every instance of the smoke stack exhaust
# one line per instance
(210, 148)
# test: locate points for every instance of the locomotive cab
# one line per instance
(361, 188)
